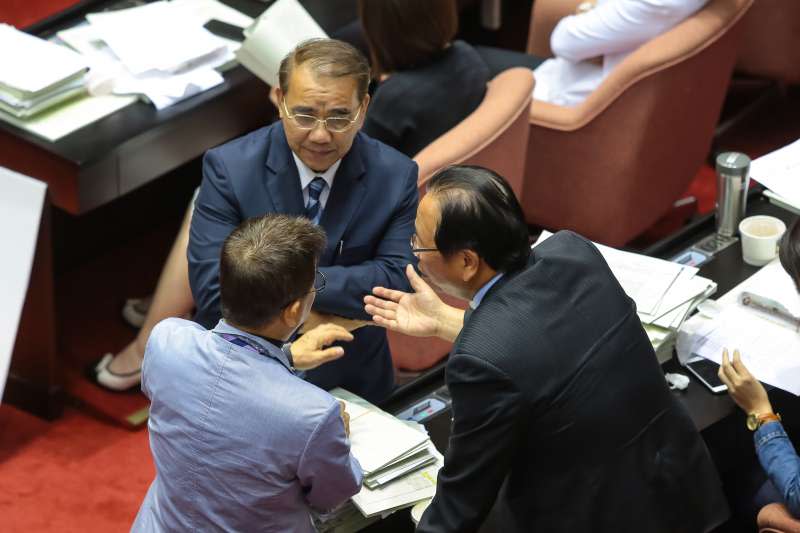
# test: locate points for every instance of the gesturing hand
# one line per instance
(745, 390)
(418, 313)
(309, 350)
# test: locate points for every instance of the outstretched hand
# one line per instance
(746, 390)
(420, 313)
(309, 350)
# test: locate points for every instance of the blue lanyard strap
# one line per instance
(244, 342)
(249, 344)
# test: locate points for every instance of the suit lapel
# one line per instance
(283, 181)
(344, 200)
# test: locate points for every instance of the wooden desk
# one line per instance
(110, 158)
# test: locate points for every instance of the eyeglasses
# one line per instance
(319, 282)
(415, 250)
(319, 285)
(332, 124)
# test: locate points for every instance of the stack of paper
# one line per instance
(665, 292)
(36, 74)
(770, 347)
(779, 172)
(399, 461)
(178, 59)
(344, 519)
(273, 35)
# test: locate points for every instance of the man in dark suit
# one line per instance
(561, 414)
(315, 162)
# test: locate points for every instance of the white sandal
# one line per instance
(114, 381)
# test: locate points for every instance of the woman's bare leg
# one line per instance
(173, 297)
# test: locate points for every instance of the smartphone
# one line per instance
(225, 30)
(706, 372)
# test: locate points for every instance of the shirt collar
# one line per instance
(478, 298)
(306, 174)
(269, 348)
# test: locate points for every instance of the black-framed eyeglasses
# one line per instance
(332, 124)
(415, 250)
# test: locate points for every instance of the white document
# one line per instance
(30, 65)
(21, 201)
(201, 11)
(779, 171)
(155, 36)
(403, 492)
(378, 439)
(680, 301)
(646, 280)
(770, 348)
(66, 118)
(161, 88)
(273, 35)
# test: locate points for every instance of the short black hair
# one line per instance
(789, 252)
(267, 263)
(478, 211)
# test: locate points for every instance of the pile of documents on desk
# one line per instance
(35, 74)
(766, 335)
(159, 50)
(399, 461)
(665, 292)
(779, 171)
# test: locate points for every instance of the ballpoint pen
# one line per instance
(770, 307)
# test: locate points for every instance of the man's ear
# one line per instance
(278, 96)
(470, 264)
(275, 96)
(292, 313)
(365, 103)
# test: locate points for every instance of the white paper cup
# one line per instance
(760, 236)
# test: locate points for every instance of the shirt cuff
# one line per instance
(767, 432)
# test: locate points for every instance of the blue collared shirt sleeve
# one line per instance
(780, 461)
(328, 471)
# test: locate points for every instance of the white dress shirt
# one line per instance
(612, 29)
(307, 175)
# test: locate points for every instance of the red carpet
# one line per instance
(76, 475)
(89, 300)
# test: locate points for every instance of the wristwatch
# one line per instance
(755, 421)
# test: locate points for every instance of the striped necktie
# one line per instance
(313, 207)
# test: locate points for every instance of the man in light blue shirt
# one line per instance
(240, 442)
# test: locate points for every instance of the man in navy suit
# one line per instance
(315, 162)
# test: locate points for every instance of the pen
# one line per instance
(770, 307)
(339, 250)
